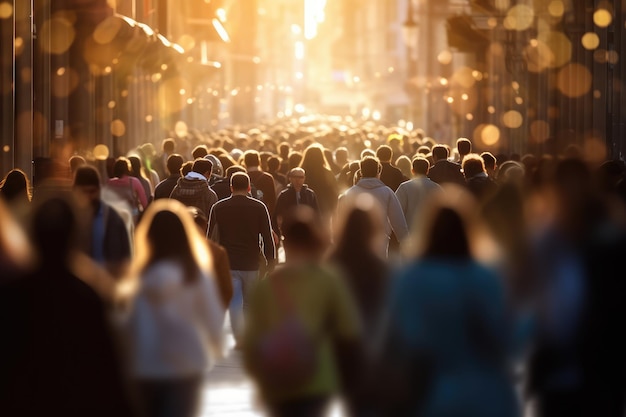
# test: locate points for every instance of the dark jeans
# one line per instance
(303, 407)
(176, 397)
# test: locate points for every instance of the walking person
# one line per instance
(296, 193)
(174, 328)
(239, 223)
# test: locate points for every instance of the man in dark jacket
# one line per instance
(193, 189)
(263, 181)
(164, 188)
(390, 176)
(239, 223)
(443, 170)
(296, 193)
(108, 241)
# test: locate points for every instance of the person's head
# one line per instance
(135, 166)
(360, 229)
(439, 153)
(15, 187)
(294, 160)
(232, 169)
(463, 146)
(384, 153)
(168, 146)
(76, 161)
(283, 150)
(303, 236)
(54, 231)
(185, 168)
(199, 151)
(251, 159)
(370, 167)
(217, 168)
(490, 163)
(472, 165)
(341, 156)
(273, 163)
(174, 162)
(202, 166)
(403, 163)
(447, 237)
(122, 167)
(420, 166)
(296, 178)
(314, 158)
(367, 152)
(240, 183)
(87, 185)
(167, 232)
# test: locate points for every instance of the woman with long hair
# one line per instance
(447, 330)
(320, 179)
(15, 187)
(175, 324)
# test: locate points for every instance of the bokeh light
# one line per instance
(444, 57)
(65, 82)
(519, 17)
(487, 134)
(6, 10)
(512, 119)
(181, 129)
(101, 152)
(602, 18)
(107, 30)
(590, 41)
(556, 8)
(118, 128)
(463, 77)
(539, 131)
(56, 35)
(574, 80)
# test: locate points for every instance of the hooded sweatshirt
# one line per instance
(193, 191)
(387, 201)
(174, 327)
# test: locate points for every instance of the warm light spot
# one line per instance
(478, 76)
(539, 131)
(469, 116)
(601, 56)
(463, 77)
(355, 79)
(553, 50)
(574, 80)
(155, 78)
(390, 70)
(444, 57)
(187, 42)
(124, 93)
(190, 59)
(118, 128)
(190, 101)
(491, 110)
(27, 75)
(115, 61)
(450, 100)
(443, 81)
(6, 10)
(519, 17)
(590, 41)
(111, 104)
(612, 57)
(107, 30)
(107, 70)
(6, 148)
(515, 85)
(148, 118)
(101, 152)
(464, 97)
(502, 5)
(488, 134)
(181, 129)
(597, 94)
(534, 43)
(234, 92)
(496, 49)
(56, 35)
(256, 60)
(512, 119)
(519, 100)
(492, 22)
(556, 8)
(602, 18)
(182, 91)
(64, 83)
(221, 14)
(594, 149)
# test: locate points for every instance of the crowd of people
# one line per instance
(368, 264)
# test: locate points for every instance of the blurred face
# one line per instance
(89, 195)
(297, 180)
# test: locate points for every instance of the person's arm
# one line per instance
(403, 199)
(396, 217)
(212, 230)
(141, 193)
(269, 249)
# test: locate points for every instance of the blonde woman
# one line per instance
(175, 323)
